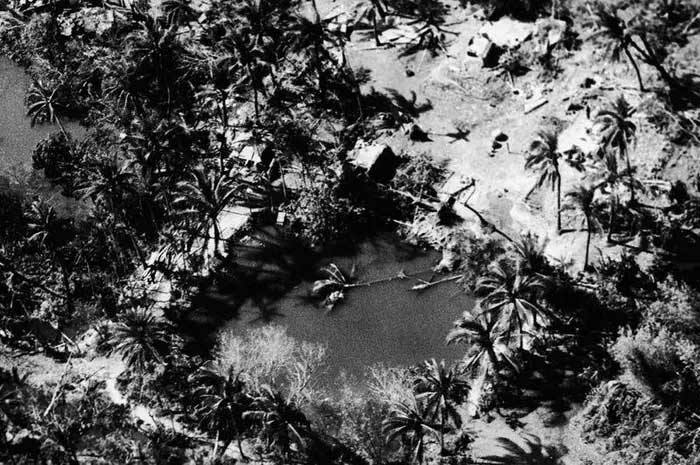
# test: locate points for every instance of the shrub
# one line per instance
(355, 419)
(390, 385)
(40, 37)
(355, 415)
(420, 174)
(649, 361)
(56, 155)
(12, 222)
(677, 308)
(268, 355)
(321, 216)
(475, 253)
(636, 429)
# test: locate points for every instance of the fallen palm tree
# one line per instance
(332, 288)
(435, 205)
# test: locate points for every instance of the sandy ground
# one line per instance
(501, 180)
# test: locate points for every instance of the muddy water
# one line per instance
(385, 323)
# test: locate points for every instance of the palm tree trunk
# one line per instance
(376, 29)
(224, 126)
(636, 68)
(488, 224)
(477, 387)
(588, 242)
(60, 126)
(629, 175)
(558, 203)
(611, 219)
(318, 45)
(217, 237)
(226, 444)
(216, 446)
(256, 103)
(650, 58)
(493, 359)
(240, 446)
(442, 431)
(520, 324)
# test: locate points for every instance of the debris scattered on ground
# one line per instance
(417, 134)
(455, 185)
(578, 136)
(378, 160)
(551, 31)
(508, 32)
(481, 47)
(535, 104)
(499, 136)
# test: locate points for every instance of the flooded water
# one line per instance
(384, 323)
(18, 138)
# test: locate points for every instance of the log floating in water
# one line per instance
(427, 284)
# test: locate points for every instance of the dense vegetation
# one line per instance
(199, 115)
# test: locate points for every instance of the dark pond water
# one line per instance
(386, 323)
(18, 138)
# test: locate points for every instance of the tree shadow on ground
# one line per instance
(400, 108)
(532, 452)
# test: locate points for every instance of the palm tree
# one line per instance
(178, 11)
(407, 422)
(544, 157)
(222, 403)
(618, 130)
(533, 453)
(120, 88)
(483, 332)
(43, 105)
(283, 424)
(310, 34)
(619, 35)
(251, 59)
(441, 388)
(141, 338)
(111, 185)
(44, 225)
(207, 194)
(581, 198)
(49, 232)
(154, 49)
(110, 182)
(375, 11)
(218, 90)
(530, 251)
(610, 177)
(511, 296)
